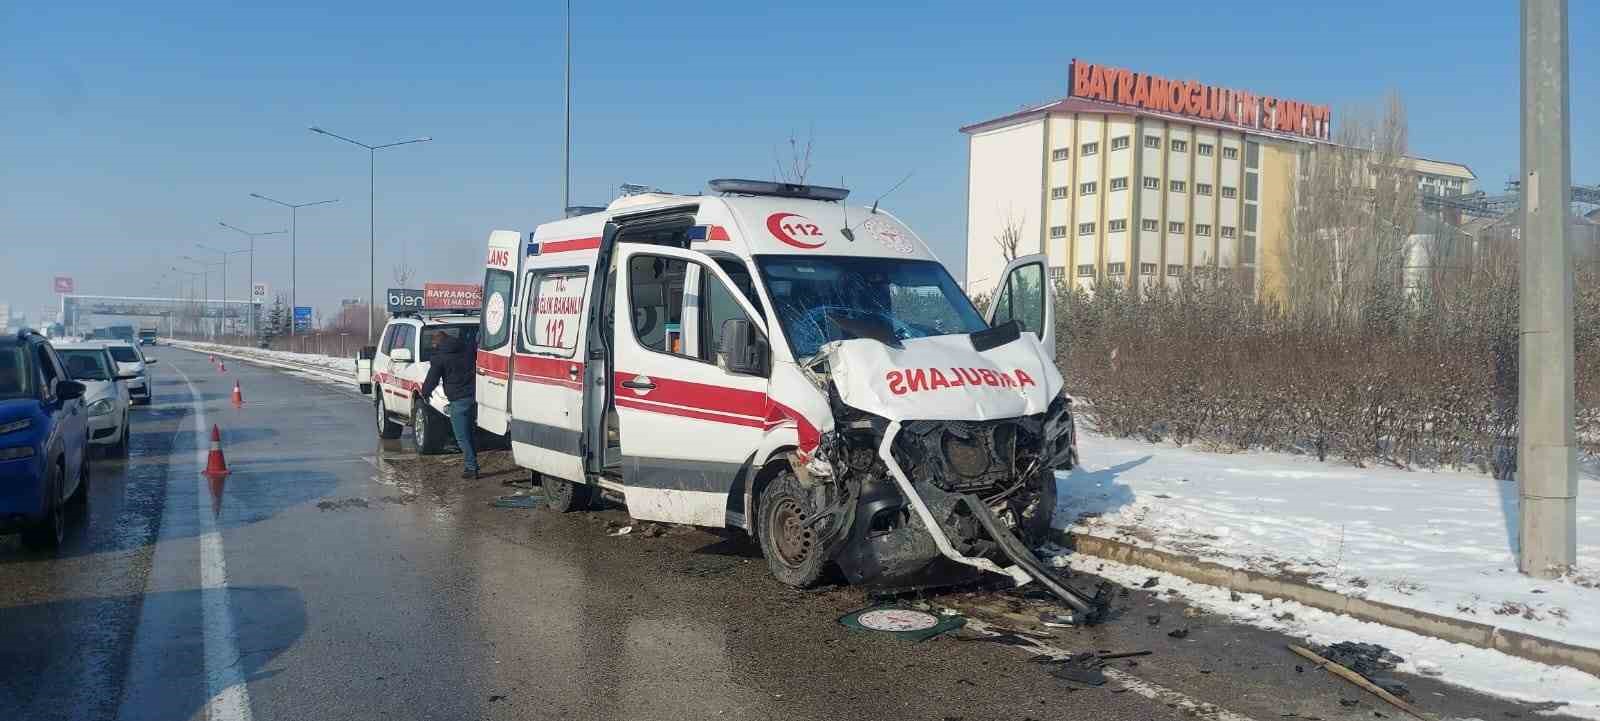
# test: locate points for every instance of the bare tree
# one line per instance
(1010, 235)
(797, 165)
(402, 275)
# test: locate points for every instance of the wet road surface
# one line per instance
(334, 576)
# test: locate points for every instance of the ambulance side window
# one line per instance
(555, 311)
(496, 322)
(655, 295)
(717, 304)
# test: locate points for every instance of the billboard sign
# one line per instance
(452, 295)
(64, 284)
(405, 299)
(1189, 98)
(302, 318)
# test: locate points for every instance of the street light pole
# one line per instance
(224, 254)
(1547, 463)
(372, 215)
(566, 141)
(294, 242)
(251, 302)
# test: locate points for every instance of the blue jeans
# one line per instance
(461, 422)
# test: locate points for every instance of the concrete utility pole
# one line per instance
(1547, 463)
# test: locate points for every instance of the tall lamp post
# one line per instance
(252, 236)
(205, 269)
(193, 274)
(224, 254)
(372, 235)
(294, 209)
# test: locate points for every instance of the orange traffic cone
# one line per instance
(216, 465)
(222, 367)
(213, 359)
(238, 396)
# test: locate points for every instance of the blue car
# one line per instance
(44, 440)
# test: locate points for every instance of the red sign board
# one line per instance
(63, 284)
(1093, 81)
(452, 295)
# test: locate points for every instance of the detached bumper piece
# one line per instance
(1090, 610)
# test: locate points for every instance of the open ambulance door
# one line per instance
(496, 324)
(690, 383)
(1024, 295)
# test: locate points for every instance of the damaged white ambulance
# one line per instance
(764, 357)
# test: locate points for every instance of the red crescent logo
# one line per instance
(799, 224)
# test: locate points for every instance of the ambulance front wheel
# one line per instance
(788, 542)
(565, 496)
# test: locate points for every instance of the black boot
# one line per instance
(470, 474)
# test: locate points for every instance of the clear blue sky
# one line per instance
(127, 130)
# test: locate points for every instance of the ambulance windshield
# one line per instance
(819, 299)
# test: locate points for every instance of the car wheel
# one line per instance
(365, 388)
(565, 496)
(386, 427)
(789, 545)
(81, 495)
(51, 530)
(429, 427)
(121, 448)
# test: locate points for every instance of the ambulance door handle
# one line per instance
(639, 385)
(572, 371)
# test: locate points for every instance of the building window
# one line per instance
(1227, 231)
(1116, 226)
(1116, 268)
(1089, 149)
(1060, 154)
(1252, 186)
(1147, 269)
(1230, 152)
(1174, 270)
(1202, 229)
(1177, 186)
(1150, 224)
(1252, 155)
(1203, 149)
(1202, 188)
(1086, 228)
(1152, 141)
(1057, 272)
(1229, 192)
(1247, 250)
(1151, 182)
(1086, 188)
(1119, 183)
(1058, 193)
(1058, 231)
(1119, 142)
(1250, 217)
(1175, 226)
(1180, 146)
(1086, 270)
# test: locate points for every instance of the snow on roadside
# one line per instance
(1433, 541)
(335, 364)
(1475, 668)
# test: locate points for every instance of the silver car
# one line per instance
(105, 394)
(131, 361)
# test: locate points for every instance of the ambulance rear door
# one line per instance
(547, 370)
(493, 384)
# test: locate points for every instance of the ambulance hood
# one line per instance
(944, 378)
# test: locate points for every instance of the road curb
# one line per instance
(211, 348)
(1472, 633)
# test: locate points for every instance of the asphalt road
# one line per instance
(334, 576)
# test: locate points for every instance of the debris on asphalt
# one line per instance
(1192, 612)
(1179, 632)
(1153, 619)
(707, 570)
(1057, 620)
(1234, 596)
(1151, 582)
(518, 500)
(1084, 668)
(907, 623)
(622, 531)
(1367, 652)
(1367, 659)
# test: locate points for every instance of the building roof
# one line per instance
(1066, 106)
(1441, 167)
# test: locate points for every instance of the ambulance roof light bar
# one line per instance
(782, 190)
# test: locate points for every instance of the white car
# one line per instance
(131, 362)
(398, 367)
(105, 394)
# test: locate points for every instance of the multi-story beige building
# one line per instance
(1138, 179)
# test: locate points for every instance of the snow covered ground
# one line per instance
(332, 364)
(1434, 541)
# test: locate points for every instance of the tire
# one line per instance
(366, 388)
(49, 532)
(790, 549)
(1033, 520)
(120, 450)
(565, 496)
(430, 427)
(387, 429)
(80, 497)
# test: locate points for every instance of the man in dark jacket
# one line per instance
(452, 365)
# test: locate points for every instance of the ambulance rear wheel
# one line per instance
(791, 547)
(430, 427)
(386, 427)
(565, 496)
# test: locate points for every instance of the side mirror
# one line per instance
(68, 390)
(400, 355)
(150, 361)
(741, 349)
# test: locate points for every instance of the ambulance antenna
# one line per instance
(848, 234)
(886, 193)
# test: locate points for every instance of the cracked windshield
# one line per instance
(1236, 361)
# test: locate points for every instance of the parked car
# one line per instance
(105, 396)
(398, 367)
(43, 440)
(131, 361)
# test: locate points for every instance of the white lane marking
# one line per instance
(228, 696)
(1186, 704)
